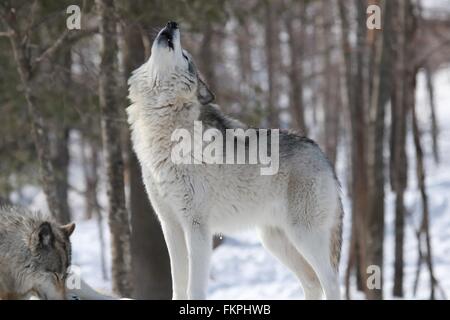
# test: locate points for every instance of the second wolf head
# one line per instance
(35, 254)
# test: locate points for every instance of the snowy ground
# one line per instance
(242, 269)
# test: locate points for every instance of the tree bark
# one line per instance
(111, 136)
(434, 122)
(272, 53)
(245, 56)
(403, 99)
(380, 93)
(90, 169)
(359, 143)
(424, 231)
(295, 42)
(206, 56)
(353, 256)
(359, 187)
(330, 83)
(151, 264)
(59, 144)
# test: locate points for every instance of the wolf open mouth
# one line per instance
(166, 36)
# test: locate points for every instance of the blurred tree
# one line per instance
(354, 86)
(31, 54)
(381, 60)
(111, 132)
(272, 47)
(403, 99)
(296, 34)
(330, 89)
(424, 239)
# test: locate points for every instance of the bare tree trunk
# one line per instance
(206, 57)
(375, 214)
(245, 59)
(90, 168)
(403, 98)
(353, 256)
(331, 81)
(359, 144)
(398, 178)
(272, 52)
(151, 264)
(59, 144)
(296, 49)
(111, 135)
(354, 85)
(98, 212)
(434, 123)
(424, 231)
(380, 93)
(91, 180)
(314, 83)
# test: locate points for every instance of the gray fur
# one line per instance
(297, 210)
(35, 253)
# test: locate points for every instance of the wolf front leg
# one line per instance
(176, 245)
(199, 244)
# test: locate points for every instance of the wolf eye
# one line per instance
(185, 57)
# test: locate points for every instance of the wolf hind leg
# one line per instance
(275, 240)
(315, 248)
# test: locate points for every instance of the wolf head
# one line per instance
(51, 257)
(170, 73)
(35, 254)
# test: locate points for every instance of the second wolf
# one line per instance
(35, 254)
(297, 211)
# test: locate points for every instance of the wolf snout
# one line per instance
(172, 25)
(166, 35)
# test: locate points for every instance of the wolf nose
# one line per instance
(172, 25)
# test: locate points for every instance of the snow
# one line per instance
(242, 269)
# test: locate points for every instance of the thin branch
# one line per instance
(8, 33)
(422, 60)
(64, 39)
(47, 53)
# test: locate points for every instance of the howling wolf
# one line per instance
(35, 253)
(297, 211)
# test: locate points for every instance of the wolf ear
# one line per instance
(204, 95)
(68, 229)
(45, 236)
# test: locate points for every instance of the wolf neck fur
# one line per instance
(155, 113)
(152, 128)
